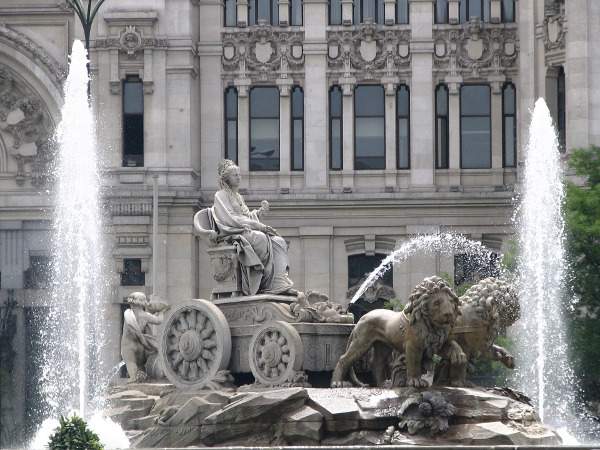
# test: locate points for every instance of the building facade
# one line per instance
(362, 122)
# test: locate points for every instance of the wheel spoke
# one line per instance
(193, 371)
(186, 368)
(202, 364)
(208, 331)
(200, 321)
(285, 358)
(178, 358)
(207, 355)
(209, 343)
(281, 367)
(191, 319)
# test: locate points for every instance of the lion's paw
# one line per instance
(417, 382)
(341, 384)
(458, 358)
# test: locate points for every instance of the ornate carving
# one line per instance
(130, 41)
(130, 209)
(554, 33)
(262, 53)
(223, 267)
(475, 49)
(368, 51)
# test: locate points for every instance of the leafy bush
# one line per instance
(73, 434)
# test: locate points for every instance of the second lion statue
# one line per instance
(420, 331)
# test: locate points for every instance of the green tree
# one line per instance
(582, 212)
(73, 434)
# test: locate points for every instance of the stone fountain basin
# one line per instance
(159, 416)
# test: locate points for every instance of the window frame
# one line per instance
(397, 18)
(225, 3)
(142, 274)
(561, 108)
(460, 107)
(137, 80)
(329, 9)
(358, 12)
(446, 14)
(354, 124)
(290, 15)
(266, 117)
(253, 19)
(514, 116)
(446, 130)
(398, 117)
(502, 12)
(341, 119)
(227, 152)
(292, 121)
(484, 4)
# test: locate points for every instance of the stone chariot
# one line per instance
(280, 339)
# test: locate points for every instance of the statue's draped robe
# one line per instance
(263, 258)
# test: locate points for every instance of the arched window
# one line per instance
(231, 123)
(297, 131)
(230, 15)
(266, 11)
(264, 128)
(402, 11)
(133, 122)
(369, 127)
(561, 119)
(335, 128)
(296, 12)
(441, 11)
(475, 127)
(403, 126)
(509, 125)
(369, 11)
(508, 10)
(335, 12)
(441, 127)
(474, 8)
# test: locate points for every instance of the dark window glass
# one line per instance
(403, 126)
(509, 112)
(132, 273)
(251, 12)
(474, 8)
(475, 134)
(297, 129)
(561, 109)
(369, 127)
(264, 128)
(263, 11)
(39, 273)
(360, 266)
(508, 10)
(296, 12)
(275, 12)
(335, 128)
(369, 10)
(230, 13)
(441, 127)
(335, 12)
(266, 11)
(441, 11)
(133, 122)
(231, 119)
(402, 11)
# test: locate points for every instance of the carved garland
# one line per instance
(131, 41)
(263, 54)
(368, 52)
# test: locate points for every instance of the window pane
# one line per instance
(264, 102)
(251, 12)
(380, 12)
(335, 12)
(264, 144)
(297, 141)
(441, 101)
(486, 10)
(357, 14)
(442, 143)
(133, 134)
(231, 151)
(509, 141)
(474, 9)
(370, 143)
(475, 100)
(368, 10)
(403, 143)
(369, 101)
(264, 10)
(336, 144)
(508, 10)
(401, 11)
(230, 13)
(275, 12)
(230, 103)
(463, 10)
(133, 97)
(296, 15)
(475, 143)
(509, 99)
(335, 102)
(441, 11)
(297, 102)
(403, 101)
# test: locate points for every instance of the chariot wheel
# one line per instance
(276, 353)
(195, 344)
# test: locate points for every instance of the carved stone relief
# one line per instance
(131, 41)
(263, 54)
(475, 50)
(26, 128)
(368, 52)
(554, 33)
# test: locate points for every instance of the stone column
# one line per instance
(284, 133)
(317, 246)
(497, 138)
(422, 127)
(284, 13)
(347, 16)
(390, 135)
(453, 11)
(243, 130)
(316, 167)
(389, 12)
(348, 134)
(242, 13)
(454, 134)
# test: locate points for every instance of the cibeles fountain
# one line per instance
(262, 363)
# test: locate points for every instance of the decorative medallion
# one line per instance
(131, 40)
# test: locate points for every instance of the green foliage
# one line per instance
(395, 304)
(582, 213)
(491, 372)
(73, 434)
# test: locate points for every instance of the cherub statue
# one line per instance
(138, 343)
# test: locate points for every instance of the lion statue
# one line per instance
(420, 331)
(487, 308)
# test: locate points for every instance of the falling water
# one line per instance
(73, 377)
(543, 372)
(430, 244)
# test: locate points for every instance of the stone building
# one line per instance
(362, 122)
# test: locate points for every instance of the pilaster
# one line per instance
(454, 131)
(243, 130)
(390, 134)
(284, 85)
(242, 13)
(389, 12)
(284, 12)
(347, 7)
(348, 133)
(497, 138)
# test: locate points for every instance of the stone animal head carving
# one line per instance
(433, 302)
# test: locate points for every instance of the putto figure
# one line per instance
(138, 345)
(262, 253)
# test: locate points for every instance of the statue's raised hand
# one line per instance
(264, 206)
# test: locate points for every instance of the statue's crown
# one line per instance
(224, 166)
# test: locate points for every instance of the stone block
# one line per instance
(305, 423)
(338, 406)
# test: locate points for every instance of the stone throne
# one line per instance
(222, 254)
